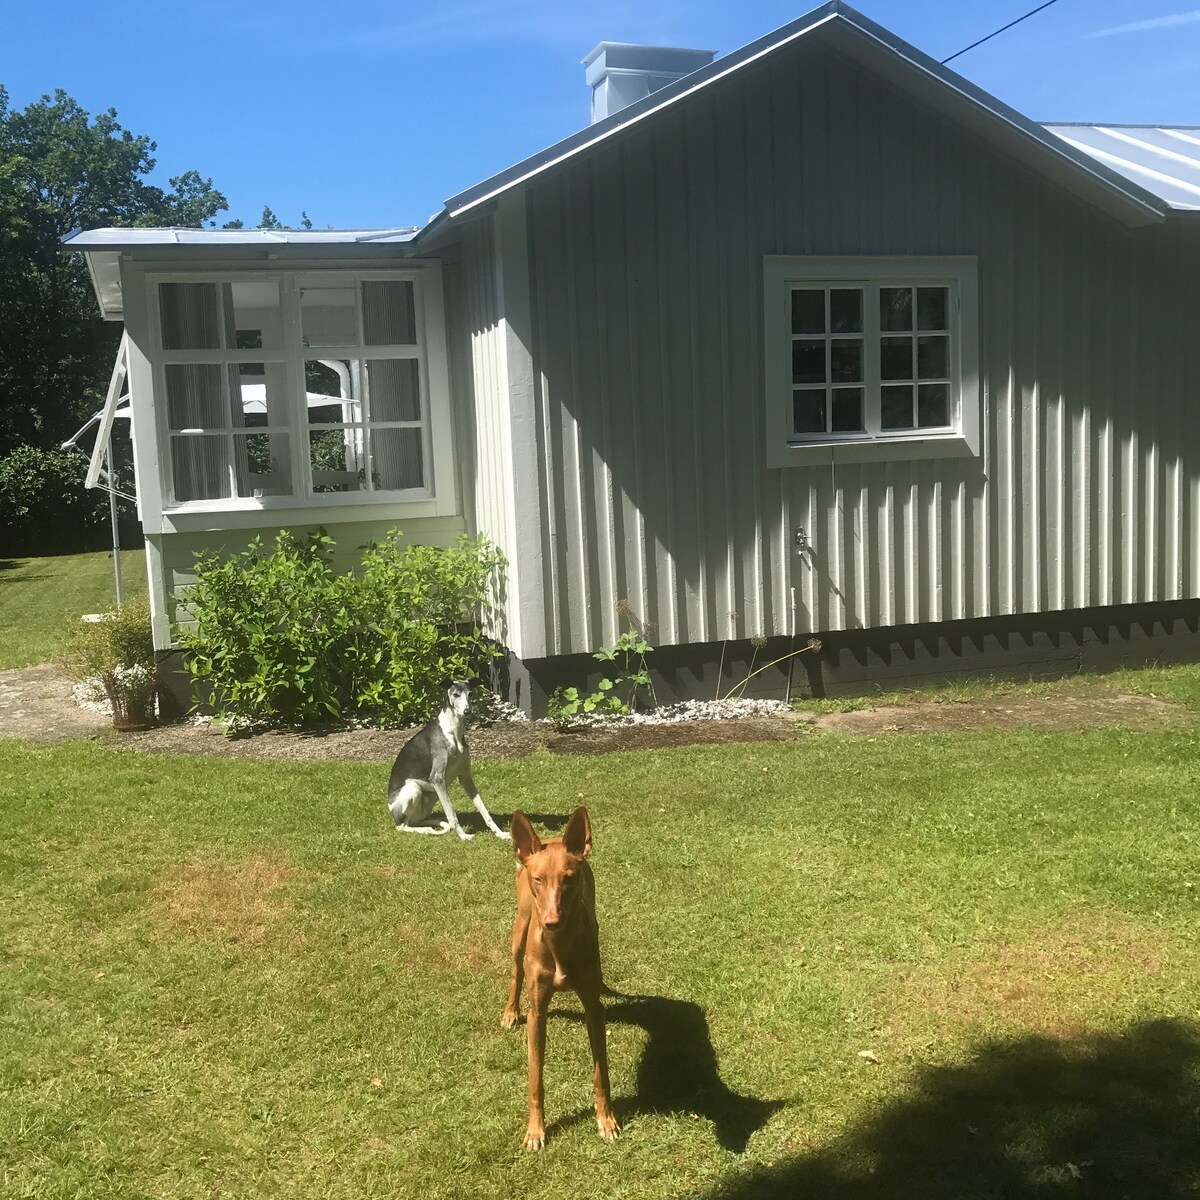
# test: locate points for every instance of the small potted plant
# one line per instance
(116, 649)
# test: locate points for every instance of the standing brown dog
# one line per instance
(555, 945)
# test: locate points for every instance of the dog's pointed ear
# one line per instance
(446, 683)
(525, 841)
(577, 837)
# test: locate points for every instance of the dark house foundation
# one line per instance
(859, 662)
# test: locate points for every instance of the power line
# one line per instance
(999, 31)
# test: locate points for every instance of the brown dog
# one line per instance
(555, 945)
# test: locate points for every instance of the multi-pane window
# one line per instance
(870, 358)
(227, 418)
(294, 386)
(361, 346)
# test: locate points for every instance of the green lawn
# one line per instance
(38, 596)
(936, 967)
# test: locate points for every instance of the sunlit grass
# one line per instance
(39, 596)
(231, 977)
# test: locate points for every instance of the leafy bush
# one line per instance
(118, 650)
(44, 506)
(119, 639)
(281, 638)
(568, 706)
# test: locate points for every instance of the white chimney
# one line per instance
(621, 74)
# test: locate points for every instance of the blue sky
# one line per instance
(369, 113)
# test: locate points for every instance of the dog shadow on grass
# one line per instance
(1113, 1114)
(677, 1072)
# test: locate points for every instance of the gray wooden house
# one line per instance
(814, 339)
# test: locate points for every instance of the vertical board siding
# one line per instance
(493, 494)
(646, 269)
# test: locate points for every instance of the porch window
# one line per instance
(294, 386)
(870, 353)
(227, 409)
(362, 346)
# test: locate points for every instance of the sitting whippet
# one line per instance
(429, 762)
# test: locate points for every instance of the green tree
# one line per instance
(60, 170)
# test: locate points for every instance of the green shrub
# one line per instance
(118, 650)
(281, 638)
(44, 506)
(568, 706)
(119, 639)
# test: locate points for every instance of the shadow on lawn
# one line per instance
(1104, 1115)
(677, 1072)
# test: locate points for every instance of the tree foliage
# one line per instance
(61, 169)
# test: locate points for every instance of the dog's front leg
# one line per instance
(476, 799)
(512, 1010)
(535, 1129)
(593, 1010)
(448, 808)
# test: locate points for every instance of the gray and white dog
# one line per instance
(429, 762)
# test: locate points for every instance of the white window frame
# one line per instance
(436, 498)
(782, 273)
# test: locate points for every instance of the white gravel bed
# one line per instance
(683, 710)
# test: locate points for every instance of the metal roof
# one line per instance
(1162, 159)
(849, 32)
(118, 239)
(102, 248)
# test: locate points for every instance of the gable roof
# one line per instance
(848, 31)
(1162, 159)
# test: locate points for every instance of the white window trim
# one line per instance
(437, 498)
(784, 449)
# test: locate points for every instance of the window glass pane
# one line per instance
(846, 310)
(933, 404)
(329, 316)
(329, 384)
(263, 391)
(895, 308)
(808, 411)
(195, 396)
(200, 467)
(394, 389)
(933, 357)
(254, 313)
(389, 314)
(396, 459)
(329, 381)
(191, 316)
(896, 407)
(249, 339)
(808, 362)
(895, 358)
(808, 311)
(268, 467)
(933, 308)
(845, 360)
(335, 455)
(847, 410)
